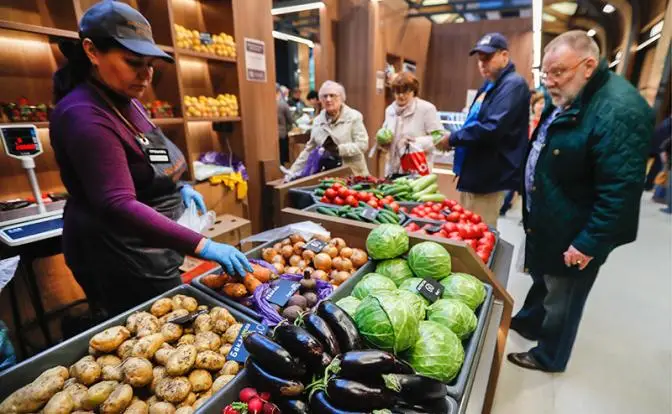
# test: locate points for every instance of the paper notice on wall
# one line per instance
(380, 82)
(255, 60)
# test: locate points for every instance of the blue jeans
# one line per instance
(508, 201)
(553, 309)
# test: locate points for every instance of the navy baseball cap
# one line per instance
(124, 24)
(490, 43)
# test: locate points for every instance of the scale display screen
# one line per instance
(20, 141)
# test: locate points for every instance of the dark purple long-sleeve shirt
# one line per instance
(102, 166)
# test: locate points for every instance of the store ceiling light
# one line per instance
(297, 8)
(608, 8)
(566, 7)
(614, 63)
(657, 28)
(648, 42)
(591, 32)
(549, 18)
(291, 38)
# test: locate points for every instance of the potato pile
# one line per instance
(222, 44)
(149, 366)
(334, 264)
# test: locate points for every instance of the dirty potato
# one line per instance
(147, 324)
(171, 332)
(187, 339)
(108, 359)
(77, 393)
(201, 380)
(110, 339)
(161, 307)
(86, 370)
(173, 390)
(113, 373)
(147, 346)
(207, 341)
(230, 368)
(210, 360)
(137, 372)
(161, 356)
(220, 382)
(200, 402)
(231, 334)
(36, 394)
(187, 409)
(162, 408)
(98, 393)
(157, 374)
(184, 302)
(137, 407)
(126, 348)
(181, 360)
(203, 323)
(187, 402)
(60, 403)
(225, 349)
(117, 402)
(177, 313)
(218, 313)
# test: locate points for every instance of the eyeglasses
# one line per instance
(556, 74)
(330, 95)
(404, 92)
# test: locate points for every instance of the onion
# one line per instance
(338, 243)
(279, 267)
(286, 242)
(337, 263)
(321, 237)
(322, 261)
(320, 275)
(295, 238)
(302, 264)
(287, 252)
(346, 265)
(359, 258)
(298, 247)
(277, 247)
(278, 259)
(268, 254)
(294, 260)
(346, 252)
(308, 269)
(308, 255)
(330, 250)
(293, 270)
(340, 278)
(333, 274)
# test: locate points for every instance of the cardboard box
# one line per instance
(229, 229)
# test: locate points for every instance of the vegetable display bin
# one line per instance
(303, 197)
(313, 209)
(70, 351)
(252, 254)
(472, 345)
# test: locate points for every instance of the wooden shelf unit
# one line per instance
(30, 31)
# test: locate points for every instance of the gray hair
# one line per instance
(331, 84)
(577, 40)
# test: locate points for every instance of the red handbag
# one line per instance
(414, 161)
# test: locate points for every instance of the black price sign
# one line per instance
(369, 214)
(433, 229)
(206, 38)
(315, 245)
(281, 291)
(430, 289)
(182, 320)
(238, 352)
(446, 212)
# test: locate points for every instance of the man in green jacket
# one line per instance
(584, 176)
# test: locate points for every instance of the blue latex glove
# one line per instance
(228, 256)
(189, 194)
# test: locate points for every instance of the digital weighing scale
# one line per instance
(37, 221)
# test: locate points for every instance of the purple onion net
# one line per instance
(265, 264)
(269, 315)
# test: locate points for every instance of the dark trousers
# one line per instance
(553, 309)
(656, 167)
(508, 201)
(284, 150)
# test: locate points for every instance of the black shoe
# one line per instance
(525, 360)
(522, 330)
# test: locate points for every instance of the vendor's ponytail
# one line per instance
(78, 66)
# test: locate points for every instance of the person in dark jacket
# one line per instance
(490, 147)
(285, 124)
(584, 177)
(663, 131)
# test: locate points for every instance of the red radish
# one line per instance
(255, 405)
(271, 409)
(265, 396)
(246, 394)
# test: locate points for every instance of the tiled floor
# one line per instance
(622, 358)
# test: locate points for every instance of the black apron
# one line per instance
(115, 248)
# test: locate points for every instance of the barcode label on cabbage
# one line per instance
(430, 289)
(238, 352)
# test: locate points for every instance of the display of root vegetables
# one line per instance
(237, 287)
(155, 363)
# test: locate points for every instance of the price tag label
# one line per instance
(446, 212)
(433, 229)
(238, 352)
(315, 245)
(206, 38)
(369, 214)
(430, 289)
(281, 291)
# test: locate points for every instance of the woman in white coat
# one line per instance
(411, 120)
(338, 129)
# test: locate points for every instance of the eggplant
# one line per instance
(438, 406)
(320, 404)
(273, 357)
(301, 344)
(275, 385)
(371, 363)
(320, 329)
(415, 388)
(292, 406)
(354, 395)
(342, 325)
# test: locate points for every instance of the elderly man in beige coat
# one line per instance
(339, 129)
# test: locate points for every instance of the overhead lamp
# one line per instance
(549, 18)
(648, 42)
(297, 8)
(291, 38)
(614, 63)
(608, 8)
(567, 8)
(591, 32)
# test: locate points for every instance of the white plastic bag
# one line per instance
(191, 220)
(306, 229)
(8, 269)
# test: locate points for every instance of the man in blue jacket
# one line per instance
(490, 147)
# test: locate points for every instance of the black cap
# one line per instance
(490, 43)
(124, 24)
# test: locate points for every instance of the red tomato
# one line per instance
(404, 209)
(366, 197)
(436, 208)
(454, 217)
(413, 227)
(395, 206)
(337, 186)
(450, 203)
(339, 201)
(428, 204)
(351, 200)
(473, 243)
(489, 235)
(352, 193)
(462, 230)
(455, 236)
(486, 243)
(434, 216)
(385, 201)
(482, 226)
(476, 219)
(457, 208)
(324, 199)
(450, 227)
(343, 192)
(372, 203)
(420, 214)
(389, 198)
(330, 193)
(484, 256)
(427, 209)
(443, 234)
(468, 214)
(463, 218)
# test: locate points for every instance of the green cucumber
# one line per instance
(436, 197)
(319, 192)
(431, 189)
(423, 182)
(327, 211)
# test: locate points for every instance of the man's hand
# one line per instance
(573, 257)
(444, 143)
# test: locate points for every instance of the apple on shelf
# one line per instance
(215, 44)
(224, 105)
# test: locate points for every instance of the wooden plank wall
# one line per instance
(450, 70)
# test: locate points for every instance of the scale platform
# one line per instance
(33, 230)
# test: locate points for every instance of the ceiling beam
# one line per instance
(460, 7)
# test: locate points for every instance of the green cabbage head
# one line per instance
(384, 136)
(387, 241)
(349, 304)
(387, 322)
(395, 269)
(371, 282)
(429, 259)
(417, 302)
(411, 285)
(454, 315)
(437, 353)
(464, 287)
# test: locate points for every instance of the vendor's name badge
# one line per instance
(158, 155)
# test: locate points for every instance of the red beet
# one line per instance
(246, 394)
(255, 405)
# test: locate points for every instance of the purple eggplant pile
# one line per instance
(322, 367)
